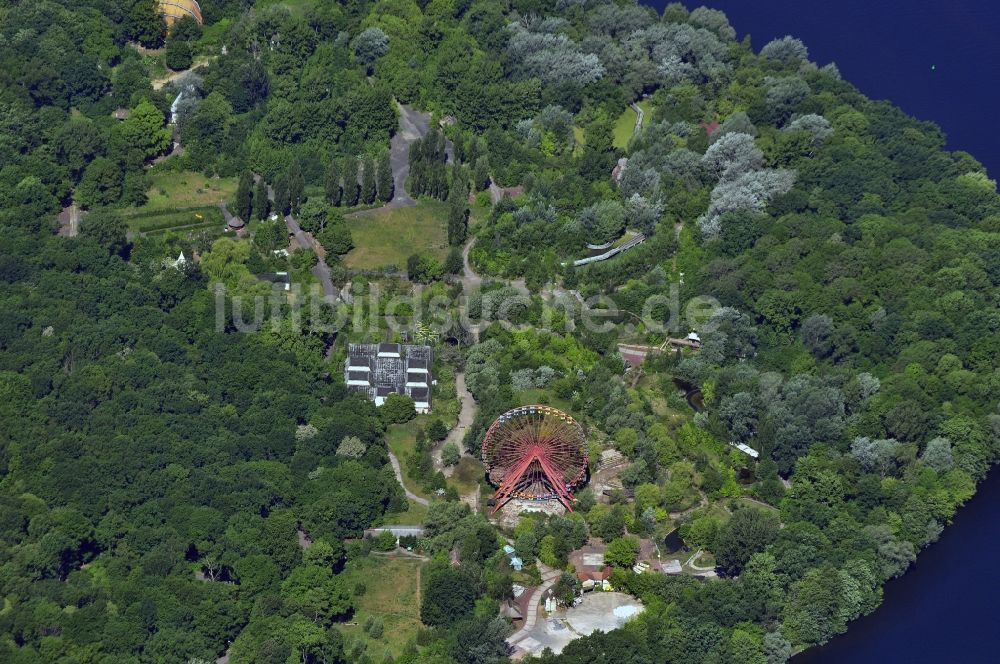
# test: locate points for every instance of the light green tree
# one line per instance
(142, 136)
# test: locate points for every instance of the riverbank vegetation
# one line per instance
(173, 488)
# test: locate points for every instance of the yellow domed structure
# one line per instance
(175, 10)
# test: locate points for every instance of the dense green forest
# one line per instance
(161, 471)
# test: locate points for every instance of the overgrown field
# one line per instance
(389, 236)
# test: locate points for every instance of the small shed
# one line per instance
(121, 114)
(512, 611)
(280, 278)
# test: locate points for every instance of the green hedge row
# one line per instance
(164, 220)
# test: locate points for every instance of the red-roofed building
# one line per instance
(595, 575)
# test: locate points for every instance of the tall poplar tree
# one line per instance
(350, 181)
(386, 186)
(282, 198)
(261, 206)
(458, 206)
(331, 183)
(296, 187)
(368, 182)
(244, 194)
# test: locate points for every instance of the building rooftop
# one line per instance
(386, 366)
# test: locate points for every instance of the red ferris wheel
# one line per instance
(535, 453)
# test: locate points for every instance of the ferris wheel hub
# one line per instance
(535, 453)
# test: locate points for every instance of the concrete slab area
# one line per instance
(596, 612)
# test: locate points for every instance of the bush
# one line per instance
(384, 541)
(336, 238)
(304, 259)
(374, 627)
(437, 430)
(179, 56)
(450, 454)
(622, 552)
(397, 409)
(423, 269)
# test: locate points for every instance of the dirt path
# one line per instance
(159, 83)
(398, 470)
(465, 417)
(470, 280)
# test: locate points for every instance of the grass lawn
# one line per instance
(478, 214)
(403, 441)
(626, 123)
(182, 200)
(467, 475)
(414, 516)
(184, 189)
(389, 236)
(704, 559)
(393, 594)
(542, 396)
(581, 140)
(296, 7)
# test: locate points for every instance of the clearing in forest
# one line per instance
(388, 236)
(392, 594)
(625, 124)
(180, 199)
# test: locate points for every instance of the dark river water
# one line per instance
(938, 61)
(944, 609)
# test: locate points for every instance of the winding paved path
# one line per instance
(639, 117)
(412, 125)
(321, 270)
(549, 578)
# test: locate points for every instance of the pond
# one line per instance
(673, 543)
(692, 394)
